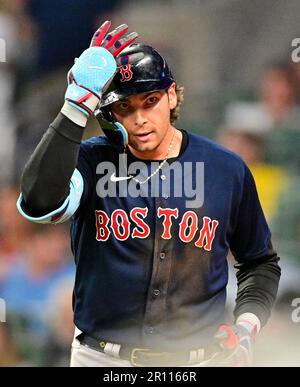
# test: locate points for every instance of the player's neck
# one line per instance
(170, 147)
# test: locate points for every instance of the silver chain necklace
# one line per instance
(158, 168)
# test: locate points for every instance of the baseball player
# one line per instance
(154, 211)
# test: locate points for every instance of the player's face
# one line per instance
(146, 117)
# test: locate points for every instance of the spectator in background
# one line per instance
(277, 107)
(27, 287)
(10, 353)
(8, 53)
(279, 195)
(13, 230)
(29, 273)
(286, 222)
(60, 326)
(270, 179)
(286, 231)
(295, 71)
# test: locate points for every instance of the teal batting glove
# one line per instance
(94, 69)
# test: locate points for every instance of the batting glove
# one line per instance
(233, 345)
(94, 69)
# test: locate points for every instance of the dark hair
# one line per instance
(175, 113)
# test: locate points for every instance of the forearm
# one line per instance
(46, 176)
(257, 287)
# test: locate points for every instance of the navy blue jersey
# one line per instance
(152, 270)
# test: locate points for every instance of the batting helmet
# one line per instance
(141, 69)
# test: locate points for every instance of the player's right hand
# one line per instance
(94, 69)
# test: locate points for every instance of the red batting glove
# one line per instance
(113, 41)
(233, 346)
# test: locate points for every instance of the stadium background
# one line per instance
(241, 89)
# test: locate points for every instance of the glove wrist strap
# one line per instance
(250, 322)
(91, 103)
(74, 114)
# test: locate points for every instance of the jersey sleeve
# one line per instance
(251, 238)
(66, 210)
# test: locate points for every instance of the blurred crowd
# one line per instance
(36, 264)
(265, 132)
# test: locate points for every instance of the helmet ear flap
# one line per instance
(106, 113)
(114, 131)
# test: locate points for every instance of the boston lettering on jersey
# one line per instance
(123, 226)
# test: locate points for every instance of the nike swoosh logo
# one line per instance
(100, 67)
(96, 67)
(115, 178)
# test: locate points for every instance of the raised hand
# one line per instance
(94, 69)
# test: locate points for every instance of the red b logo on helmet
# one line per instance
(126, 73)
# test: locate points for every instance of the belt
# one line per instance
(144, 357)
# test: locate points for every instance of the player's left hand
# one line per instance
(233, 346)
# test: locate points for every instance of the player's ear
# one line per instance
(172, 96)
